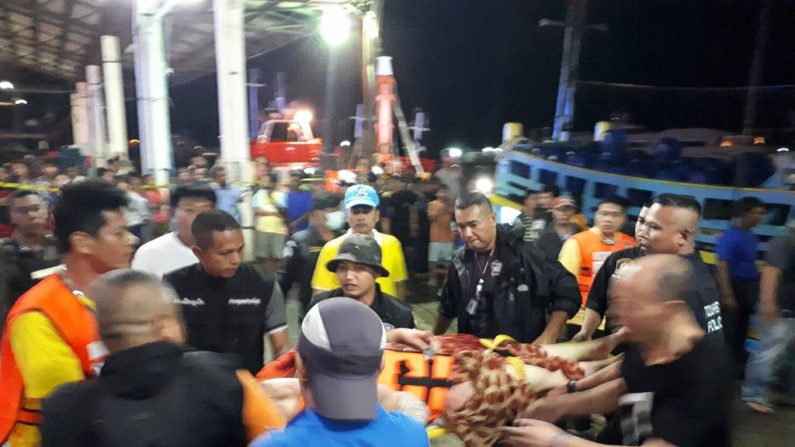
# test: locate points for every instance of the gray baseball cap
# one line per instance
(359, 249)
(341, 344)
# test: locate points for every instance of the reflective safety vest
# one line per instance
(593, 253)
(76, 324)
(423, 376)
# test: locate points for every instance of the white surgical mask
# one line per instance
(335, 220)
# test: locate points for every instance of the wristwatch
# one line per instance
(571, 387)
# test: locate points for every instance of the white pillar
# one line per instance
(96, 120)
(114, 97)
(154, 124)
(80, 131)
(230, 60)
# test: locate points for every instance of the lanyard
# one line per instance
(473, 303)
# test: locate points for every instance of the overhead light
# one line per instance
(455, 152)
(335, 26)
(6, 85)
(345, 143)
(484, 185)
(782, 149)
(303, 116)
(20, 102)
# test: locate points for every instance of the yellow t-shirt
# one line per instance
(391, 258)
(45, 362)
(271, 203)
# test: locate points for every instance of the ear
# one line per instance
(300, 369)
(196, 251)
(81, 242)
(169, 328)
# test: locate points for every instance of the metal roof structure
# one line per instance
(60, 37)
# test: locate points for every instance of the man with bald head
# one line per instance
(669, 390)
(153, 390)
(669, 227)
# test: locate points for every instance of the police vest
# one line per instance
(76, 324)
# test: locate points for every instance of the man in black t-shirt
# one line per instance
(669, 391)
(228, 306)
(669, 227)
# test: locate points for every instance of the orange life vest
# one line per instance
(593, 252)
(420, 375)
(76, 324)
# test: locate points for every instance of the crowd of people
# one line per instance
(130, 316)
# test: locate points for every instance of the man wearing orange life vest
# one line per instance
(585, 252)
(50, 336)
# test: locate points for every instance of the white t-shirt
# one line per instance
(163, 255)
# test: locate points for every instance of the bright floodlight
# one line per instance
(782, 149)
(6, 85)
(303, 116)
(455, 152)
(335, 26)
(484, 185)
(20, 102)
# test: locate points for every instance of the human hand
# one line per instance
(421, 340)
(557, 391)
(544, 339)
(543, 410)
(531, 433)
(581, 336)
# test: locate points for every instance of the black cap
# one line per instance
(359, 249)
(322, 200)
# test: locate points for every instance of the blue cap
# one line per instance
(361, 195)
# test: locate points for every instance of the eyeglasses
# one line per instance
(361, 209)
(27, 209)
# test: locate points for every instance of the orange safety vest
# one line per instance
(76, 324)
(593, 252)
(423, 376)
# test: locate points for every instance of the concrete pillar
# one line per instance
(230, 60)
(253, 103)
(80, 130)
(96, 119)
(114, 97)
(154, 122)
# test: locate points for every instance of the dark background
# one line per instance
(473, 65)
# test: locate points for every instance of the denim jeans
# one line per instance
(774, 351)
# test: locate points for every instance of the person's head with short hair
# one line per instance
(218, 243)
(549, 192)
(530, 202)
(61, 180)
(27, 211)
(358, 265)
(563, 209)
(187, 201)
(749, 212)
(326, 212)
(361, 205)
(106, 175)
(20, 171)
(648, 293)
(670, 225)
(610, 215)
(642, 216)
(476, 220)
(135, 308)
(340, 350)
(442, 192)
(90, 225)
(200, 174)
(72, 172)
(149, 180)
(218, 174)
(49, 170)
(184, 176)
(114, 164)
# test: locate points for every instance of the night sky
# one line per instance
(476, 64)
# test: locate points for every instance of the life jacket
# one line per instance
(76, 324)
(423, 376)
(593, 253)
